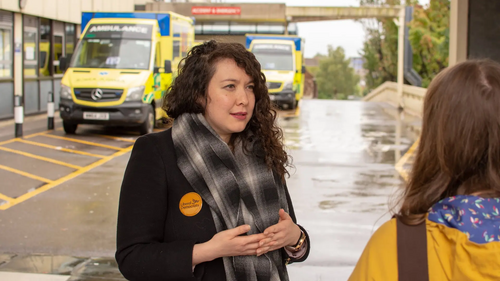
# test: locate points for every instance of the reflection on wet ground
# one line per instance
(343, 152)
(344, 179)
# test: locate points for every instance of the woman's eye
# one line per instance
(251, 87)
(230, 86)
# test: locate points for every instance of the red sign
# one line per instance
(205, 10)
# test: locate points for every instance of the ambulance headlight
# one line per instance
(65, 92)
(288, 85)
(135, 93)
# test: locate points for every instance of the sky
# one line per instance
(347, 34)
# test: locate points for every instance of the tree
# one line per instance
(428, 34)
(380, 50)
(335, 78)
(429, 38)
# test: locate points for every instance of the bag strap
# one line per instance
(412, 252)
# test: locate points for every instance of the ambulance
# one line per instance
(282, 61)
(121, 69)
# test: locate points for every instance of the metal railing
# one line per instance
(412, 99)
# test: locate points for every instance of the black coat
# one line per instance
(154, 239)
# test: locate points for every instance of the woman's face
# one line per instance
(230, 100)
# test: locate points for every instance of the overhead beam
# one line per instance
(302, 14)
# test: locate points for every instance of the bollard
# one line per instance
(18, 115)
(50, 111)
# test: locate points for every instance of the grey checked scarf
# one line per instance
(242, 191)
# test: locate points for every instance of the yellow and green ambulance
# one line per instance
(282, 61)
(121, 69)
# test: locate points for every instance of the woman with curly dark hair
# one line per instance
(207, 199)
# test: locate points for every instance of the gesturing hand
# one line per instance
(228, 243)
(284, 233)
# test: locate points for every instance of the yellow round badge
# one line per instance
(190, 204)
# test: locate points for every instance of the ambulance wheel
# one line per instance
(149, 123)
(69, 128)
(292, 105)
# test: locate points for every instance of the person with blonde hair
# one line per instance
(448, 223)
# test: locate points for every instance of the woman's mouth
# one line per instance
(239, 115)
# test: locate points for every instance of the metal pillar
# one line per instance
(18, 115)
(401, 54)
(18, 74)
(50, 111)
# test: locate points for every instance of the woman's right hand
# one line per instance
(228, 243)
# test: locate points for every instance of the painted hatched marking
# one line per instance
(22, 173)
(83, 142)
(404, 164)
(40, 158)
(60, 148)
(57, 182)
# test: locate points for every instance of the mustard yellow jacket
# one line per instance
(451, 256)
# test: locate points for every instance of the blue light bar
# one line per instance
(296, 40)
(163, 19)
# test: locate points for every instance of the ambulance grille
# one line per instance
(273, 85)
(85, 94)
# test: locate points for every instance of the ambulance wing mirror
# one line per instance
(168, 66)
(303, 69)
(63, 64)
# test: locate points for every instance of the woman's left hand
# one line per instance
(284, 233)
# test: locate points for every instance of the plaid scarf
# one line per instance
(242, 191)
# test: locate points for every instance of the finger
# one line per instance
(254, 238)
(264, 242)
(262, 251)
(251, 247)
(284, 215)
(271, 229)
(242, 229)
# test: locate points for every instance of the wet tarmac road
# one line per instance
(344, 153)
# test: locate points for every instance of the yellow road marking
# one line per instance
(41, 158)
(36, 134)
(6, 198)
(106, 136)
(46, 187)
(25, 174)
(7, 142)
(60, 148)
(297, 111)
(26, 137)
(83, 142)
(116, 138)
(400, 165)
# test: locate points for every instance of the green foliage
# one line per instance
(335, 78)
(429, 38)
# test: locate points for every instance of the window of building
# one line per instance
(58, 45)
(6, 45)
(216, 28)
(70, 40)
(271, 28)
(30, 46)
(45, 57)
(242, 28)
(5, 52)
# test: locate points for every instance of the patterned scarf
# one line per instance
(242, 191)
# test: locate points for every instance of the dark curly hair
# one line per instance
(191, 86)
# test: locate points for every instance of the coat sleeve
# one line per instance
(308, 242)
(141, 252)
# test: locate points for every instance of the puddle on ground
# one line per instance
(330, 204)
